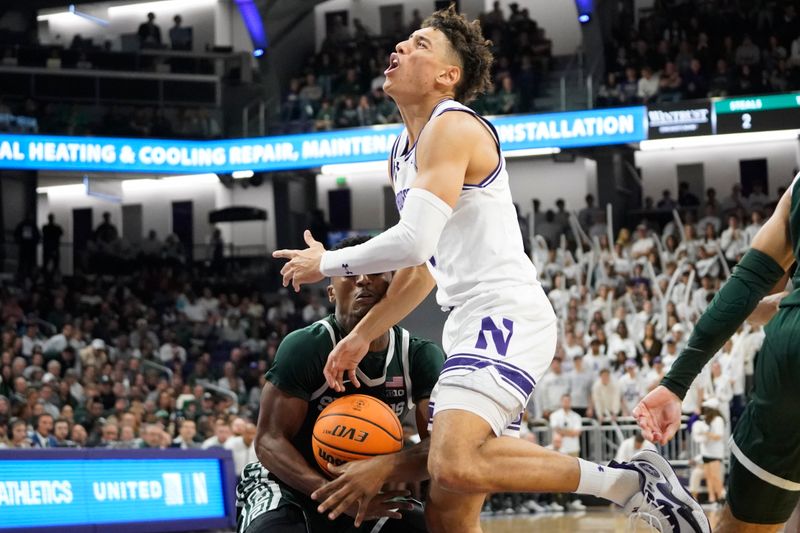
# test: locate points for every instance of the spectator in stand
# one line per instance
(648, 86)
(631, 446)
(508, 97)
(19, 434)
(222, 432)
(51, 245)
(42, 436)
(243, 447)
(606, 398)
(670, 84)
(551, 388)
(610, 93)
(747, 53)
(186, 434)
(695, 82)
(721, 83)
(149, 33)
(179, 36)
(629, 88)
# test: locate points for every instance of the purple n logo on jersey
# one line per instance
(400, 199)
(500, 341)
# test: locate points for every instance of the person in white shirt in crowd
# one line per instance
(222, 432)
(670, 353)
(186, 434)
(756, 221)
(678, 333)
(558, 295)
(732, 364)
(734, 201)
(606, 398)
(208, 301)
(690, 243)
(580, 387)
(631, 387)
(620, 341)
(733, 240)
(142, 333)
(283, 309)
(654, 375)
(711, 217)
(314, 310)
(631, 446)
(758, 199)
(243, 448)
(230, 380)
(718, 386)
(31, 338)
(192, 308)
(647, 87)
(571, 347)
(710, 433)
(171, 351)
(59, 342)
(551, 388)
(567, 424)
(643, 243)
(620, 316)
(595, 360)
(700, 297)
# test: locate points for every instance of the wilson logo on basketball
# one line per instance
(345, 432)
(330, 458)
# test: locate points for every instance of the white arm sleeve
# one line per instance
(410, 242)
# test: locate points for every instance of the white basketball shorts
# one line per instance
(498, 346)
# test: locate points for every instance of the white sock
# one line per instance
(614, 484)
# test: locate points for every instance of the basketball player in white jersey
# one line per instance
(459, 230)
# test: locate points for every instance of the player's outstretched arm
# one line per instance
(409, 287)
(443, 156)
(358, 482)
(754, 277)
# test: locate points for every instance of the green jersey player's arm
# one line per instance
(296, 373)
(280, 417)
(755, 276)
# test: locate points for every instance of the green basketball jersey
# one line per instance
(794, 231)
(401, 376)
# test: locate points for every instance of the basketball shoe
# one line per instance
(662, 501)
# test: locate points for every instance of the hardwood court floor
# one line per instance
(596, 520)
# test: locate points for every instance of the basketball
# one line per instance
(355, 427)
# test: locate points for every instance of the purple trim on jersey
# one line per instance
(485, 182)
(466, 356)
(392, 156)
(513, 375)
(409, 151)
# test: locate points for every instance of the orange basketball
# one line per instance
(355, 427)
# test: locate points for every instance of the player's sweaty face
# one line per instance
(355, 295)
(417, 60)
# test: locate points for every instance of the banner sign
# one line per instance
(758, 113)
(98, 154)
(134, 490)
(679, 119)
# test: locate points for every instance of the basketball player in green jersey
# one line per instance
(400, 370)
(764, 479)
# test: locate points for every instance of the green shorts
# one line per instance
(764, 480)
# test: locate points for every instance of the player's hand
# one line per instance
(345, 357)
(659, 415)
(766, 309)
(304, 265)
(357, 484)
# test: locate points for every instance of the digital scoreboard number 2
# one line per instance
(757, 113)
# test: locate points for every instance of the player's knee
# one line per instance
(452, 472)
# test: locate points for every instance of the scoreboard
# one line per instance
(757, 113)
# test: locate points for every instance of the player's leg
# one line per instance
(447, 511)
(285, 519)
(730, 524)
(711, 482)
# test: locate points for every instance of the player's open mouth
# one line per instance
(394, 63)
(362, 296)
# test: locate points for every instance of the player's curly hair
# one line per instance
(472, 48)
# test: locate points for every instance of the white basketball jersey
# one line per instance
(480, 249)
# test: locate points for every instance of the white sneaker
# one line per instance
(534, 507)
(555, 508)
(576, 505)
(662, 501)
